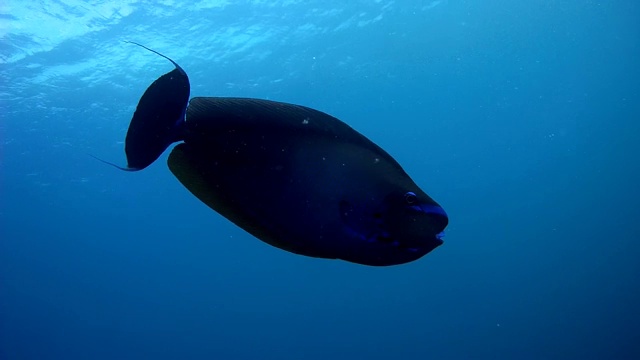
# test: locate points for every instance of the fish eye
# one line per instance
(410, 198)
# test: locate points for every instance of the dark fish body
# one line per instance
(292, 176)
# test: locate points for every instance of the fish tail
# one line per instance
(159, 119)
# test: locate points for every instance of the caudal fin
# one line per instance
(159, 118)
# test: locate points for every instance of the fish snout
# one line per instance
(438, 218)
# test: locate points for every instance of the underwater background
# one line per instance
(521, 118)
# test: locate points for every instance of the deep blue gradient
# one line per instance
(522, 118)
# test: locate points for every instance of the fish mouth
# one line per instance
(437, 241)
(381, 249)
(423, 244)
(438, 216)
(387, 252)
(426, 246)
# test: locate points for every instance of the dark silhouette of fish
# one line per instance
(294, 177)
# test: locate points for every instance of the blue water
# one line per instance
(522, 118)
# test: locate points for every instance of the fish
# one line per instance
(292, 176)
